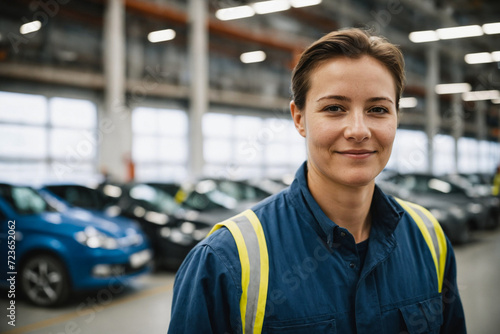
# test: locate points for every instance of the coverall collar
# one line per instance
(385, 215)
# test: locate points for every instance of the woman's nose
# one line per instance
(356, 128)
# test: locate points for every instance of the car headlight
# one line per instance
(458, 212)
(92, 238)
(185, 233)
(475, 208)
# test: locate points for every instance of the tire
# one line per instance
(44, 280)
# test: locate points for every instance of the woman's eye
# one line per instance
(379, 110)
(332, 108)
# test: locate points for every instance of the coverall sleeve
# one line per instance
(453, 313)
(206, 295)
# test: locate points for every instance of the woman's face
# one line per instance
(349, 120)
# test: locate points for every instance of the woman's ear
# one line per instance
(298, 119)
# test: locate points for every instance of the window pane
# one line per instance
(144, 121)
(279, 129)
(23, 108)
(173, 123)
(444, 154)
(76, 172)
(217, 150)
(410, 151)
(277, 154)
(248, 152)
(298, 154)
(250, 127)
(173, 149)
(72, 145)
(22, 141)
(144, 148)
(23, 172)
(467, 155)
(73, 113)
(217, 125)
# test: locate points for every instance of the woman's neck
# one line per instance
(347, 206)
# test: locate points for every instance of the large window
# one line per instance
(248, 146)
(409, 153)
(46, 138)
(160, 144)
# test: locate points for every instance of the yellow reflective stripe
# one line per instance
(425, 233)
(245, 263)
(264, 270)
(441, 242)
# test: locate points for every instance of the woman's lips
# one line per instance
(357, 154)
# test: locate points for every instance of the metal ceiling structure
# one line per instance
(69, 53)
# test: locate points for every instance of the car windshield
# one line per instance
(157, 200)
(24, 200)
(428, 185)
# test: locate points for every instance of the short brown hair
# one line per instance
(351, 43)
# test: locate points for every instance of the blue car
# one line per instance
(48, 254)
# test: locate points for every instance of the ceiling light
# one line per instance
(481, 95)
(234, 13)
(271, 6)
(30, 27)
(460, 32)
(453, 88)
(161, 35)
(496, 101)
(491, 28)
(495, 56)
(423, 36)
(408, 102)
(478, 58)
(253, 57)
(304, 3)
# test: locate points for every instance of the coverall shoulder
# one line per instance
(316, 281)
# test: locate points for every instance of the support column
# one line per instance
(431, 102)
(457, 109)
(115, 124)
(198, 58)
(481, 120)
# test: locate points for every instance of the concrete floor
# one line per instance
(145, 306)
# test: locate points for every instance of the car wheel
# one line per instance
(493, 221)
(44, 280)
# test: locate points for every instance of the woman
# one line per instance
(331, 253)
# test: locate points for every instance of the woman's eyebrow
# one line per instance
(379, 98)
(347, 99)
(334, 97)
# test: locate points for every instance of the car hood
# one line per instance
(72, 221)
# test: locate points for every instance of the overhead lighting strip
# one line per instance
(454, 32)
(261, 7)
(482, 57)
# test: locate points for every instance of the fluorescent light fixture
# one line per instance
(253, 57)
(453, 88)
(304, 3)
(271, 6)
(423, 36)
(460, 32)
(495, 56)
(481, 95)
(478, 58)
(491, 28)
(496, 101)
(30, 27)
(161, 35)
(234, 13)
(408, 102)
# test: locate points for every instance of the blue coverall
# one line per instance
(316, 283)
